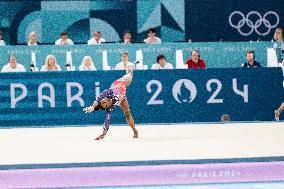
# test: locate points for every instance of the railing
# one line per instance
(216, 54)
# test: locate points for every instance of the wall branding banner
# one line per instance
(50, 99)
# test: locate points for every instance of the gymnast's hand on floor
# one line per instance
(89, 109)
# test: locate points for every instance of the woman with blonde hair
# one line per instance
(50, 64)
(87, 64)
(278, 35)
(278, 44)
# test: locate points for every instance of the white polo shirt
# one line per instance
(2, 43)
(8, 68)
(157, 41)
(120, 66)
(158, 67)
(93, 41)
(59, 42)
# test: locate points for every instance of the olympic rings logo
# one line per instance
(254, 25)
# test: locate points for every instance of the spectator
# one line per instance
(124, 62)
(127, 37)
(87, 64)
(195, 61)
(225, 118)
(97, 39)
(278, 35)
(33, 39)
(162, 63)
(152, 38)
(2, 42)
(278, 44)
(13, 66)
(250, 62)
(50, 64)
(64, 40)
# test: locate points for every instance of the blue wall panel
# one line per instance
(181, 96)
(175, 20)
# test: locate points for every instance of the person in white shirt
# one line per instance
(127, 37)
(152, 38)
(162, 63)
(124, 62)
(87, 64)
(2, 42)
(33, 39)
(64, 40)
(97, 39)
(13, 66)
(50, 64)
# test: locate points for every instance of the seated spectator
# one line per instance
(195, 61)
(250, 62)
(13, 66)
(33, 39)
(87, 64)
(127, 37)
(124, 62)
(162, 63)
(64, 40)
(97, 39)
(225, 118)
(152, 38)
(50, 64)
(2, 42)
